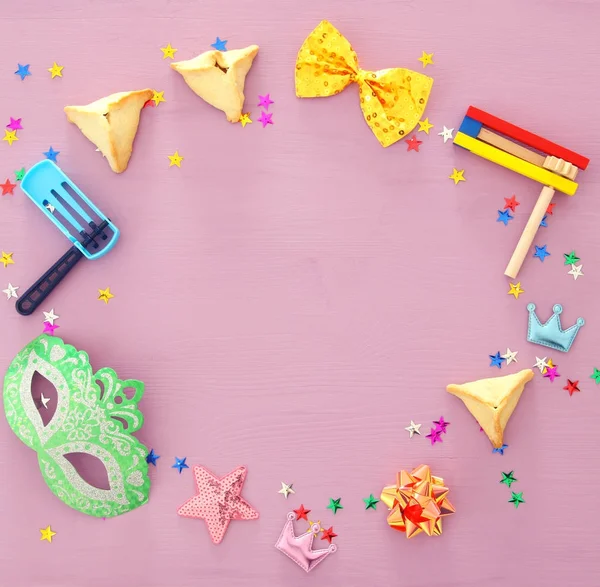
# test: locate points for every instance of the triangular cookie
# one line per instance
(218, 78)
(111, 124)
(492, 401)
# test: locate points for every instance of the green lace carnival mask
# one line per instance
(89, 418)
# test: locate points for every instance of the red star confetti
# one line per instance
(328, 534)
(550, 208)
(7, 187)
(413, 144)
(301, 513)
(571, 387)
(511, 203)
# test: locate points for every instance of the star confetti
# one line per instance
(500, 450)
(152, 457)
(457, 176)
(595, 375)
(426, 59)
(446, 134)
(11, 291)
(44, 400)
(22, 71)
(435, 435)
(6, 259)
(218, 500)
(508, 478)
(550, 208)
(50, 207)
(56, 70)
(541, 364)
(425, 126)
(576, 271)
(511, 357)
(516, 499)
(50, 328)
(50, 316)
(515, 290)
(334, 505)
(168, 51)
(571, 258)
(175, 159)
(413, 429)
(245, 119)
(14, 124)
(549, 365)
(10, 136)
(496, 360)
(158, 97)
(544, 222)
(286, 489)
(104, 295)
(265, 118)
(551, 373)
(413, 144)
(265, 101)
(504, 217)
(441, 424)
(511, 203)
(47, 534)
(541, 253)
(180, 464)
(219, 45)
(328, 534)
(370, 502)
(571, 387)
(8, 188)
(301, 513)
(51, 154)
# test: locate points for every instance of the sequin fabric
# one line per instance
(93, 415)
(218, 501)
(392, 100)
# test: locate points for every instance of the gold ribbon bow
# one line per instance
(392, 100)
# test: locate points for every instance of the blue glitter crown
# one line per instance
(551, 334)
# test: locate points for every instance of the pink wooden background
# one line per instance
(293, 296)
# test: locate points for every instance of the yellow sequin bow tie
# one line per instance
(392, 100)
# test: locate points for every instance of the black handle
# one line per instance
(29, 302)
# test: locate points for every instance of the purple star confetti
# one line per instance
(265, 101)
(265, 118)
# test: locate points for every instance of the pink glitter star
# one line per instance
(265, 101)
(551, 373)
(14, 124)
(50, 328)
(265, 118)
(218, 501)
(435, 435)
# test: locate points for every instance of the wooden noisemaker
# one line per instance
(528, 154)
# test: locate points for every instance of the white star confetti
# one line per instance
(541, 364)
(44, 400)
(510, 356)
(11, 291)
(446, 134)
(413, 429)
(50, 317)
(286, 489)
(576, 271)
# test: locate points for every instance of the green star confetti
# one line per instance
(334, 505)
(508, 478)
(20, 173)
(516, 499)
(571, 258)
(596, 375)
(370, 502)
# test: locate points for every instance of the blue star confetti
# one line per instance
(180, 464)
(219, 45)
(496, 360)
(22, 71)
(152, 457)
(51, 154)
(504, 216)
(541, 253)
(500, 450)
(543, 222)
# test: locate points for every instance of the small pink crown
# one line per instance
(299, 548)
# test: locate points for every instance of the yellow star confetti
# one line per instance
(6, 259)
(56, 70)
(457, 175)
(425, 126)
(47, 534)
(245, 119)
(175, 159)
(515, 290)
(10, 136)
(158, 97)
(426, 59)
(550, 365)
(168, 51)
(104, 295)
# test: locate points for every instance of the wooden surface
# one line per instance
(292, 297)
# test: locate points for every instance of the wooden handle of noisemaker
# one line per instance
(529, 232)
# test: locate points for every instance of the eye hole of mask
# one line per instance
(90, 468)
(44, 392)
